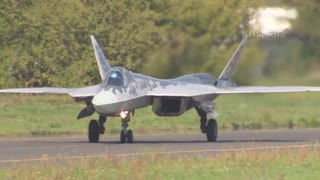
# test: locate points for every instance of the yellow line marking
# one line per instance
(151, 153)
(42, 147)
(2, 139)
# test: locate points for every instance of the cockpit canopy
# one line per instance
(116, 77)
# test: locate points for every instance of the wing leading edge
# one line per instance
(73, 92)
(266, 89)
(190, 90)
(40, 90)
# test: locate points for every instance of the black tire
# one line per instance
(123, 137)
(212, 130)
(93, 131)
(130, 136)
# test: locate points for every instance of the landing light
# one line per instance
(124, 114)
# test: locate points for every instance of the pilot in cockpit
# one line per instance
(115, 79)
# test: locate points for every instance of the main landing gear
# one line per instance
(95, 129)
(210, 128)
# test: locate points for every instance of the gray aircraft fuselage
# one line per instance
(123, 90)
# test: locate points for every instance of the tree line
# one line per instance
(46, 43)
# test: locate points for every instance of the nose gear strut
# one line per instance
(125, 134)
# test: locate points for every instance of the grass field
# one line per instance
(300, 164)
(22, 115)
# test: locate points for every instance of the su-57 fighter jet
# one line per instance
(122, 91)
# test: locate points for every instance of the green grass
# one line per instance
(300, 164)
(22, 115)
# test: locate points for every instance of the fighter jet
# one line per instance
(121, 92)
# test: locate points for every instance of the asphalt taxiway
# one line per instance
(15, 151)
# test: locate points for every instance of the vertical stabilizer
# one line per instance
(102, 61)
(231, 66)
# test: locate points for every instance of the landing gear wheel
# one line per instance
(212, 130)
(122, 137)
(93, 131)
(130, 136)
(126, 137)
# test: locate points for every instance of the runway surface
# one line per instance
(15, 151)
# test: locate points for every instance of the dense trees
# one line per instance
(46, 43)
(299, 52)
(307, 26)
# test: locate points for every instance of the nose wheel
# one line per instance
(126, 136)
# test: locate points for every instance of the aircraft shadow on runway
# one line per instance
(175, 141)
(202, 141)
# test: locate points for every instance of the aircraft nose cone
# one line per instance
(104, 98)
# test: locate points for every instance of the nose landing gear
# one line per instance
(126, 135)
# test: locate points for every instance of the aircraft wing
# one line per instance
(74, 92)
(191, 90)
(40, 90)
(86, 91)
(265, 89)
